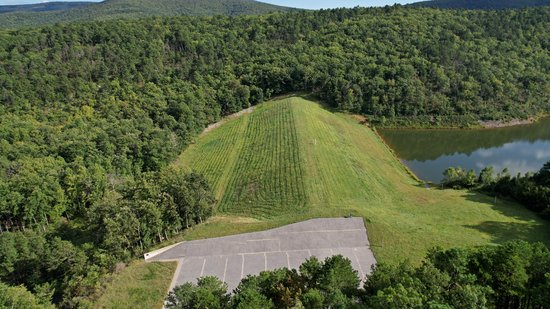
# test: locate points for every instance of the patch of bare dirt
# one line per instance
(359, 118)
(225, 119)
(233, 219)
(489, 124)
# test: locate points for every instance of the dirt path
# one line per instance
(225, 119)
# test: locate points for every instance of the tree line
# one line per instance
(481, 4)
(513, 275)
(531, 189)
(65, 262)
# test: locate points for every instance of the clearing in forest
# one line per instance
(291, 159)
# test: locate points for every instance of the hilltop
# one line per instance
(47, 14)
(481, 4)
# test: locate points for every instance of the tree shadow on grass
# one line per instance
(505, 231)
(317, 99)
(505, 207)
(528, 226)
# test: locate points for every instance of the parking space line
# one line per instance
(358, 264)
(242, 267)
(265, 261)
(203, 263)
(266, 239)
(309, 252)
(290, 250)
(326, 231)
(225, 268)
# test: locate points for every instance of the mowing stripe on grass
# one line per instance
(217, 154)
(267, 178)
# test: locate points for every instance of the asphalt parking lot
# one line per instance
(232, 258)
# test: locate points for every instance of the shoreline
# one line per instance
(395, 156)
(494, 124)
(482, 125)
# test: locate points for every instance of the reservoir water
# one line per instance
(428, 153)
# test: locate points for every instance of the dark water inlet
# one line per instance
(428, 153)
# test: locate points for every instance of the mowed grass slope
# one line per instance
(290, 160)
(254, 171)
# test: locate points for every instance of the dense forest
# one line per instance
(92, 113)
(531, 190)
(481, 4)
(32, 15)
(514, 275)
(63, 260)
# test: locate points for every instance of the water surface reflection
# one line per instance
(428, 153)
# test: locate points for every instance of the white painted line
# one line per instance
(203, 263)
(294, 250)
(331, 252)
(242, 267)
(265, 261)
(359, 265)
(225, 268)
(266, 239)
(325, 231)
(309, 252)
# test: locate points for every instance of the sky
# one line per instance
(306, 4)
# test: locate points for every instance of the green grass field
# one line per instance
(291, 160)
(140, 285)
(254, 171)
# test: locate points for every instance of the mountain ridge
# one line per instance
(43, 7)
(59, 12)
(481, 4)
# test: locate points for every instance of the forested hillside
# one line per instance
(130, 9)
(92, 113)
(481, 4)
(41, 7)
